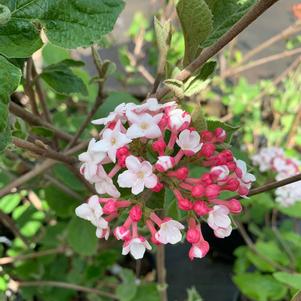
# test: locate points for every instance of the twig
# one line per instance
(293, 129)
(38, 169)
(65, 285)
(35, 120)
(262, 61)
(12, 259)
(98, 101)
(45, 152)
(258, 9)
(292, 29)
(161, 272)
(9, 223)
(41, 94)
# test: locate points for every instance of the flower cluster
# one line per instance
(144, 149)
(274, 159)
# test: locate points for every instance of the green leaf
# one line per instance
(293, 211)
(10, 202)
(163, 35)
(61, 203)
(62, 80)
(196, 21)
(260, 287)
(225, 15)
(67, 23)
(176, 86)
(156, 200)
(230, 130)
(81, 236)
(147, 292)
(127, 290)
(297, 296)
(292, 280)
(193, 295)
(10, 77)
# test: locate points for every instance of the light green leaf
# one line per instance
(197, 116)
(292, 280)
(127, 290)
(62, 80)
(5, 14)
(10, 202)
(196, 21)
(260, 287)
(293, 211)
(225, 15)
(176, 86)
(163, 35)
(67, 23)
(81, 236)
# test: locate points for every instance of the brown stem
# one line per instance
(293, 129)
(65, 285)
(262, 61)
(12, 259)
(161, 272)
(44, 152)
(35, 120)
(38, 169)
(28, 87)
(9, 223)
(41, 94)
(292, 29)
(258, 9)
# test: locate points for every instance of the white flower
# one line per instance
(104, 184)
(138, 175)
(92, 212)
(219, 221)
(118, 114)
(103, 233)
(164, 163)
(189, 141)
(265, 157)
(111, 141)
(221, 172)
(169, 232)
(136, 246)
(90, 160)
(153, 105)
(144, 125)
(178, 119)
(245, 176)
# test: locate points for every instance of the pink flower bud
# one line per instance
(158, 187)
(193, 235)
(220, 135)
(231, 184)
(234, 206)
(201, 208)
(136, 213)
(212, 191)
(228, 155)
(198, 191)
(159, 147)
(231, 165)
(206, 136)
(207, 150)
(121, 154)
(206, 179)
(185, 204)
(110, 207)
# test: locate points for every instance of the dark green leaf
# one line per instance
(81, 236)
(230, 130)
(225, 15)
(127, 290)
(196, 21)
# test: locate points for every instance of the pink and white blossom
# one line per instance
(164, 163)
(136, 247)
(178, 119)
(170, 232)
(219, 221)
(189, 141)
(137, 176)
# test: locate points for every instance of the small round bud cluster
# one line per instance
(146, 149)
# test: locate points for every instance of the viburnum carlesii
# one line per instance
(146, 151)
(274, 159)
